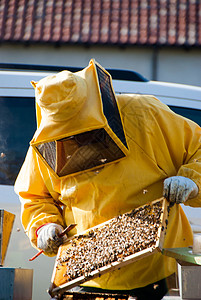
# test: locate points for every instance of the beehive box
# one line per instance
(110, 245)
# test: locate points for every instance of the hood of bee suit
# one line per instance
(79, 121)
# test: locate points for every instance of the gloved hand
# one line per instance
(48, 238)
(178, 189)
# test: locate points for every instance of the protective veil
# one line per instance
(158, 144)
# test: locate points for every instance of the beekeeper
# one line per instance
(96, 155)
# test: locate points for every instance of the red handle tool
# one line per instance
(65, 231)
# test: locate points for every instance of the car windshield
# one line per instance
(17, 125)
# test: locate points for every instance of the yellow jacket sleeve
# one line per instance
(168, 139)
(192, 162)
(38, 206)
(177, 143)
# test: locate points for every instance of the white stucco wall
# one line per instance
(77, 56)
(173, 65)
(181, 66)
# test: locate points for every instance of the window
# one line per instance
(17, 126)
(190, 113)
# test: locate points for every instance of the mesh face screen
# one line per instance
(110, 108)
(48, 151)
(80, 152)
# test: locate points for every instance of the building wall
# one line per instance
(170, 64)
(181, 66)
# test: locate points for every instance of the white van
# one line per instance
(17, 125)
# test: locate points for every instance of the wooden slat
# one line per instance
(93, 296)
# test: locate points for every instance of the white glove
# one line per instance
(178, 189)
(48, 238)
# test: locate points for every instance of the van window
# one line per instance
(190, 113)
(17, 125)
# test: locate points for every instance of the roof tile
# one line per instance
(121, 22)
